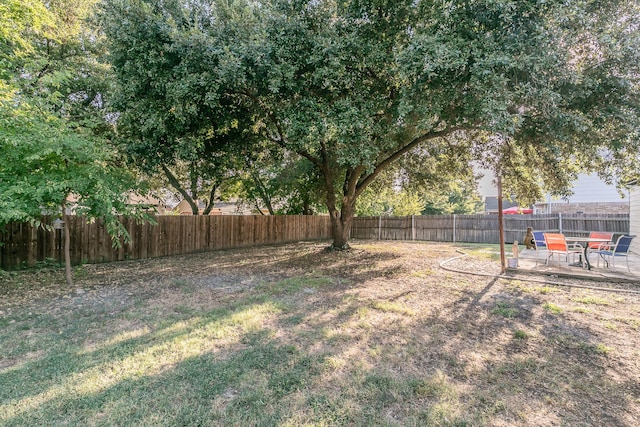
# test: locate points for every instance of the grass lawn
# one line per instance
(294, 335)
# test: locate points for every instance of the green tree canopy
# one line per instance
(169, 118)
(52, 116)
(534, 90)
(43, 161)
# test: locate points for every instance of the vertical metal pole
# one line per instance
(503, 263)
(560, 221)
(380, 227)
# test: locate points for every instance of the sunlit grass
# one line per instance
(132, 355)
(294, 284)
(545, 290)
(393, 307)
(590, 299)
(490, 252)
(602, 349)
(335, 363)
(609, 325)
(552, 308)
(423, 274)
(633, 323)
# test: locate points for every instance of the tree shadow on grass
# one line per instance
(72, 384)
(199, 390)
(533, 356)
(247, 382)
(328, 353)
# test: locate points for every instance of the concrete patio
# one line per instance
(619, 273)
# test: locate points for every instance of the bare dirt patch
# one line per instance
(397, 340)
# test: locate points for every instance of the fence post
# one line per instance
(454, 228)
(560, 221)
(380, 227)
(413, 227)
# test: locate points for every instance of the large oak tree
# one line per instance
(536, 90)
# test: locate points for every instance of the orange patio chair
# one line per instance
(596, 246)
(557, 245)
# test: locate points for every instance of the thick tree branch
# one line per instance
(280, 139)
(176, 184)
(264, 195)
(400, 152)
(329, 180)
(212, 197)
(351, 181)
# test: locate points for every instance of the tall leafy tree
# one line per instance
(44, 162)
(170, 121)
(51, 128)
(501, 79)
(534, 89)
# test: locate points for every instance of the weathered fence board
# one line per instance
(482, 228)
(24, 244)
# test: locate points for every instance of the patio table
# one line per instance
(587, 240)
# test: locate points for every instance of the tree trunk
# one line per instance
(193, 176)
(306, 207)
(264, 195)
(67, 246)
(341, 221)
(194, 206)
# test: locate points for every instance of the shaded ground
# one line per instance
(294, 335)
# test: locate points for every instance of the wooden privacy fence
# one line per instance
(482, 228)
(24, 244)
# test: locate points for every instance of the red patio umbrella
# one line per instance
(517, 210)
